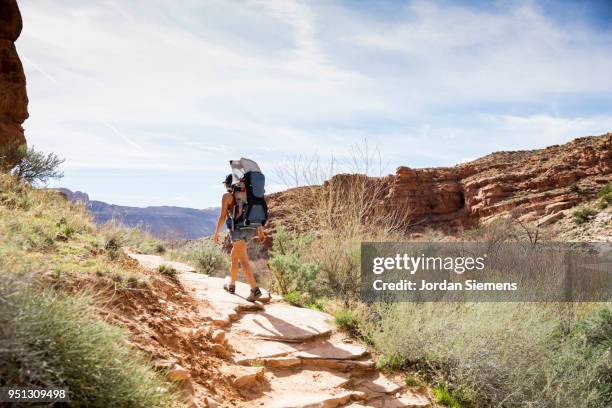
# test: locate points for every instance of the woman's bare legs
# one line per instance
(239, 254)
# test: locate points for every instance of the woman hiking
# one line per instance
(240, 234)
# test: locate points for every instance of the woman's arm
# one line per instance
(222, 217)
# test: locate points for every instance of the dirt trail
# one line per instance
(285, 356)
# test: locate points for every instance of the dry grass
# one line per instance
(344, 194)
(51, 338)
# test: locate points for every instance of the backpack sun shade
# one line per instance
(248, 187)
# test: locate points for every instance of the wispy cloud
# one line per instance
(123, 136)
(25, 59)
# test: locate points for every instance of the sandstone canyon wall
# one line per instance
(13, 97)
(529, 185)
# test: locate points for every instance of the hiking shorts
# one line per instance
(242, 234)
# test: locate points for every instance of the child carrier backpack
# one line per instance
(248, 187)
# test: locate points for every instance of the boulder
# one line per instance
(550, 219)
(241, 376)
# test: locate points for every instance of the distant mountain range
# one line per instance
(163, 222)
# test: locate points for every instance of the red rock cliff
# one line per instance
(527, 184)
(13, 97)
(531, 185)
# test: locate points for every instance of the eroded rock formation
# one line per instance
(526, 184)
(530, 185)
(13, 97)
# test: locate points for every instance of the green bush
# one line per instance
(605, 191)
(203, 255)
(584, 215)
(53, 340)
(574, 188)
(413, 380)
(605, 196)
(444, 397)
(294, 298)
(291, 273)
(391, 362)
(348, 321)
(167, 270)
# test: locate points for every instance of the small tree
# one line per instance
(37, 167)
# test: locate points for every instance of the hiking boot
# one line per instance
(255, 294)
(230, 288)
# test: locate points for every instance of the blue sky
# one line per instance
(148, 100)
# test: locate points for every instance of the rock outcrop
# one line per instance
(13, 97)
(529, 185)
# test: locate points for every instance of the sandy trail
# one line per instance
(284, 356)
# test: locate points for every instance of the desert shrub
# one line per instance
(348, 321)
(574, 188)
(390, 362)
(167, 270)
(203, 255)
(35, 167)
(338, 257)
(413, 380)
(605, 196)
(115, 238)
(581, 367)
(583, 215)
(445, 397)
(501, 354)
(290, 271)
(49, 339)
(143, 241)
(342, 194)
(294, 298)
